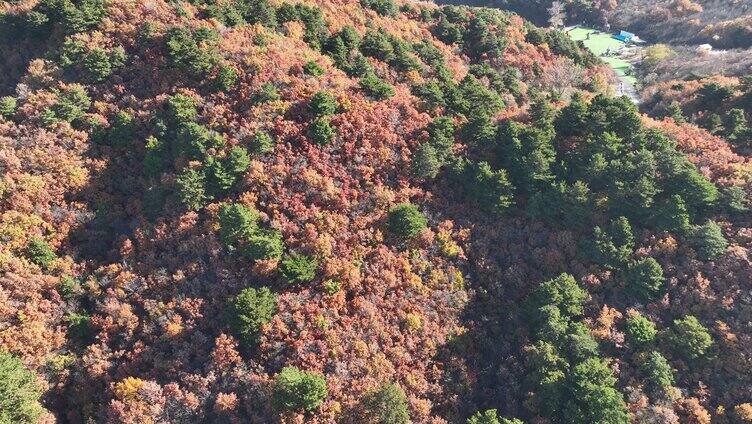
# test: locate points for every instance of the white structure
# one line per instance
(704, 49)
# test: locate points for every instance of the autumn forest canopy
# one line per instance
(361, 211)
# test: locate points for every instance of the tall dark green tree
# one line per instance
(441, 135)
(249, 311)
(672, 215)
(376, 87)
(562, 292)
(321, 131)
(490, 189)
(563, 205)
(193, 52)
(657, 372)
(490, 416)
(237, 223)
(377, 44)
(527, 153)
(426, 163)
(708, 241)
(633, 184)
(298, 268)
(40, 253)
(191, 188)
(645, 279)
(689, 338)
(613, 246)
(639, 331)
(405, 220)
(20, 392)
(593, 396)
(386, 405)
(712, 95)
(322, 104)
(296, 390)
(736, 127)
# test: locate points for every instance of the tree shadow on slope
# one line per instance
(484, 367)
(108, 196)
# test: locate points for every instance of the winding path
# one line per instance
(625, 87)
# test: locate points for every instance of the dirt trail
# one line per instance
(625, 87)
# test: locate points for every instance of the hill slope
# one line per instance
(327, 211)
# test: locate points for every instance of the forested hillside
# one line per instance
(686, 39)
(721, 105)
(366, 211)
(725, 24)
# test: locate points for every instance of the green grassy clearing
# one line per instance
(598, 44)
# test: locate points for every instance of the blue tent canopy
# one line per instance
(624, 36)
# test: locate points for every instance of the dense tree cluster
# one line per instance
(240, 232)
(96, 63)
(46, 16)
(571, 383)
(721, 106)
(179, 138)
(560, 43)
